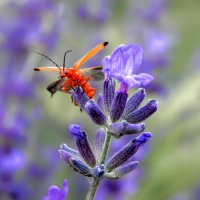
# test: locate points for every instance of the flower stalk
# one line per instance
(105, 149)
(95, 183)
(93, 189)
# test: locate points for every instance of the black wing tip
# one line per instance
(36, 69)
(105, 44)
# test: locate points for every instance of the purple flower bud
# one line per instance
(119, 129)
(108, 93)
(95, 113)
(127, 151)
(55, 193)
(68, 149)
(142, 113)
(123, 170)
(98, 171)
(80, 167)
(83, 145)
(99, 142)
(134, 102)
(66, 153)
(79, 97)
(118, 105)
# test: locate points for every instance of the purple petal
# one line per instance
(143, 78)
(125, 59)
(123, 64)
(55, 193)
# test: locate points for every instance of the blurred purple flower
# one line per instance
(157, 46)
(14, 190)
(123, 65)
(11, 161)
(99, 14)
(195, 60)
(25, 25)
(39, 169)
(55, 193)
(152, 10)
(14, 126)
(28, 26)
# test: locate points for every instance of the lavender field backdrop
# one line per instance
(33, 125)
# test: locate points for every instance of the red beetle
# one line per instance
(72, 77)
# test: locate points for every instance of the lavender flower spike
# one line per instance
(55, 193)
(142, 113)
(119, 129)
(95, 113)
(123, 64)
(83, 145)
(127, 151)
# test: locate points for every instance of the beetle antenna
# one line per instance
(64, 58)
(48, 59)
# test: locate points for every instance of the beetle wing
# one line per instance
(93, 73)
(62, 85)
(90, 54)
(54, 87)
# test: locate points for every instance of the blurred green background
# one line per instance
(171, 168)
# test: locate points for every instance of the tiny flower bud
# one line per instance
(79, 166)
(83, 145)
(134, 102)
(98, 171)
(119, 129)
(118, 105)
(99, 142)
(66, 153)
(108, 93)
(95, 113)
(79, 97)
(142, 113)
(64, 147)
(127, 151)
(123, 170)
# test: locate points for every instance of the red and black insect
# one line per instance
(73, 77)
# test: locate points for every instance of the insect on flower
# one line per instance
(73, 77)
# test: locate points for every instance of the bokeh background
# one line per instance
(33, 125)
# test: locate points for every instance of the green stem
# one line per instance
(95, 182)
(105, 149)
(93, 189)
